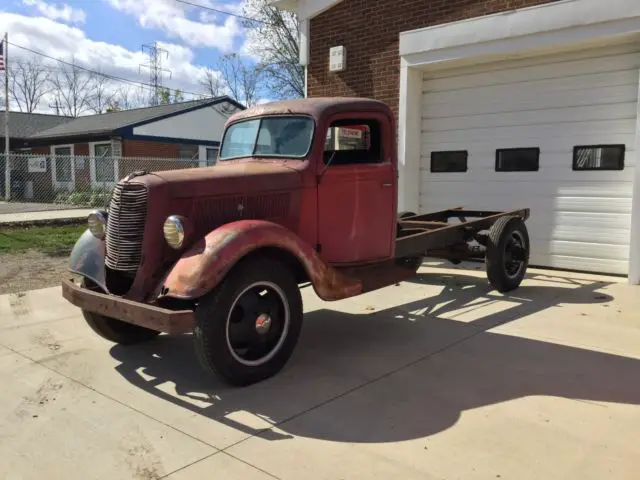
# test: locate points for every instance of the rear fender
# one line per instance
(202, 267)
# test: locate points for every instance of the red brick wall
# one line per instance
(83, 169)
(370, 32)
(139, 148)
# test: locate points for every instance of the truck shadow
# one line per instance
(436, 359)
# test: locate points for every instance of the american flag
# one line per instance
(2, 56)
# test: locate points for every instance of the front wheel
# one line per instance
(507, 256)
(247, 327)
(114, 330)
(117, 331)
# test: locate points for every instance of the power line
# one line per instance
(112, 77)
(204, 7)
(223, 12)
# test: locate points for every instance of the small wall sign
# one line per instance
(38, 164)
(337, 59)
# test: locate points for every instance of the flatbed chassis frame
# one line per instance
(433, 235)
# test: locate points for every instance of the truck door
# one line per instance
(356, 191)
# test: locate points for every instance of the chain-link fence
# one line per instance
(52, 182)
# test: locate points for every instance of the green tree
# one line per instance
(164, 96)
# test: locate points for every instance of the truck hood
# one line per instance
(227, 179)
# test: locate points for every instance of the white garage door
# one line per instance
(504, 136)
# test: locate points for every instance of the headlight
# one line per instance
(174, 231)
(97, 221)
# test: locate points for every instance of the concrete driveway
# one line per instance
(436, 378)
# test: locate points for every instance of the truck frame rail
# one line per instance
(434, 235)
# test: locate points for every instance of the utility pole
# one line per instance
(4, 56)
(155, 69)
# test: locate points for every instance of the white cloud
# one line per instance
(67, 42)
(171, 17)
(65, 12)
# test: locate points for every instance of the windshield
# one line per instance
(268, 136)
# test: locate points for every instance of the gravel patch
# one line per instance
(31, 270)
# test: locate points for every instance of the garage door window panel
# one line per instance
(518, 160)
(449, 161)
(598, 157)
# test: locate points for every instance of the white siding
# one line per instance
(579, 220)
(203, 124)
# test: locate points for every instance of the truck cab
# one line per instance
(304, 193)
(345, 154)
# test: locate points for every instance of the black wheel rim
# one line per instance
(257, 323)
(514, 254)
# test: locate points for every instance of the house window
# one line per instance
(350, 142)
(188, 152)
(212, 156)
(63, 164)
(449, 161)
(598, 157)
(518, 160)
(104, 163)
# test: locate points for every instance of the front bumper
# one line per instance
(142, 314)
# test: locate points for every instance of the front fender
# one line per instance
(87, 259)
(203, 266)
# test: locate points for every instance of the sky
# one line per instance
(108, 35)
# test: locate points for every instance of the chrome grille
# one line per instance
(125, 227)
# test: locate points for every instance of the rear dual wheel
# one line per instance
(247, 328)
(507, 256)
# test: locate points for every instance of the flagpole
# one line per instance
(7, 167)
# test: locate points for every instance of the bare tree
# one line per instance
(213, 84)
(28, 83)
(128, 97)
(103, 93)
(241, 79)
(273, 38)
(73, 89)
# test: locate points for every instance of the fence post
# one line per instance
(7, 166)
(7, 177)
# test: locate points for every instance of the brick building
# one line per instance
(95, 151)
(501, 104)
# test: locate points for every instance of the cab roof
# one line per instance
(317, 107)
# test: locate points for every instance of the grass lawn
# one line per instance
(52, 240)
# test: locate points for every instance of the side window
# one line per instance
(598, 157)
(352, 142)
(518, 160)
(449, 161)
(187, 151)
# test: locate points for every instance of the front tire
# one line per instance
(507, 256)
(247, 327)
(114, 330)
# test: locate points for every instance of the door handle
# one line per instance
(387, 185)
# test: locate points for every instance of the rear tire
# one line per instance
(247, 327)
(507, 256)
(114, 330)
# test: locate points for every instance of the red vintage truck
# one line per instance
(304, 193)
